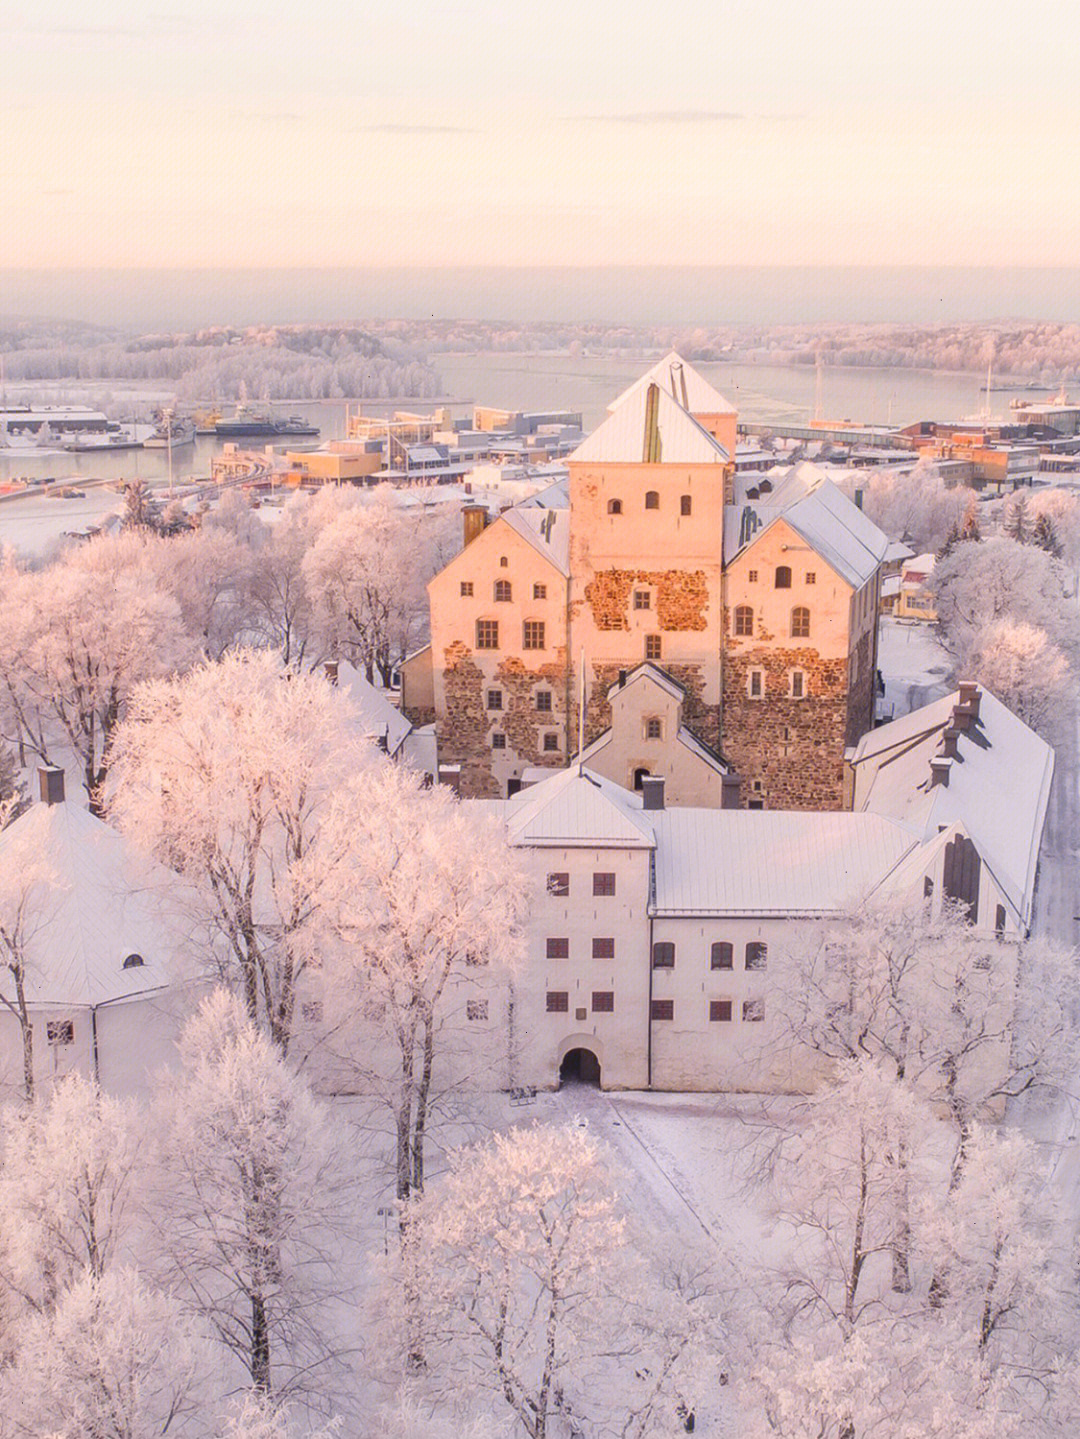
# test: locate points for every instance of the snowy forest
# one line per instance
(325, 1219)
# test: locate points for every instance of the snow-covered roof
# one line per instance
(711, 861)
(104, 901)
(998, 789)
(649, 671)
(555, 497)
(578, 808)
(377, 716)
(679, 379)
(897, 550)
(621, 437)
(547, 530)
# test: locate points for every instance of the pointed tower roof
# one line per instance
(649, 426)
(684, 384)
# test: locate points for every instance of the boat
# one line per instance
(297, 425)
(171, 433)
(206, 421)
(120, 440)
(248, 423)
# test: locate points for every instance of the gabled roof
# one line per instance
(104, 901)
(578, 808)
(548, 531)
(621, 438)
(377, 716)
(684, 384)
(649, 671)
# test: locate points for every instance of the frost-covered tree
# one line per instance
(230, 775)
(27, 887)
(250, 1210)
(13, 801)
(1020, 664)
(979, 584)
(917, 507)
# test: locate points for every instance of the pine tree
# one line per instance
(951, 540)
(969, 530)
(1044, 536)
(1016, 521)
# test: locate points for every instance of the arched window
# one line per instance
(504, 563)
(614, 507)
(639, 776)
(652, 499)
(502, 590)
(783, 577)
(684, 505)
(722, 955)
(663, 954)
(800, 623)
(757, 952)
(133, 961)
(744, 620)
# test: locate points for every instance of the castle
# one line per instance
(719, 632)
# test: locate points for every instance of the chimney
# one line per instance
(969, 697)
(330, 668)
(450, 774)
(651, 449)
(949, 743)
(939, 771)
(652, 791)
(961, 718)
(474, 520)
(51, 784)
(730, 789)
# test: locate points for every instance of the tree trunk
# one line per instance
(423, 1094)
(260, 1345)
(901, 1249)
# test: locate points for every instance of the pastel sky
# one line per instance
(538, 132)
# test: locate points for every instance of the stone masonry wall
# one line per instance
(703, 719)
(682, 598)
(863, 691)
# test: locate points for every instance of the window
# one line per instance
(783, 577)
(487, 634)
(752, 577)
(476, 1009)
(133, 961)
(663, 954)
(494, 699)
(653, 649)
(684, 504)
(603, 883)
(811, 577)
(498, 741)
(311, 1011)
(603, 948)
(999, 920)
(755, 684)
(558, 948)
(744, 620)
(614, 507)
(927, 887)
(719, 1010)
(466, 587)
(539, 592)
(662, 1009)
(652, 500)
(551, 743)
(800, 623)
(558, 884)
(798, 685)
(543, 701)
(503, 591)
(654, 728)
(757, 952)
(558, 1001)
(503, 562)
(60, 1031)
(753, 1010)
(642, 600)
(533, 635)
(603, 1001)
(722, 955)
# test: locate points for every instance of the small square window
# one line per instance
(811, 577)
(719, 1010)
(476, 1009)
(642, 600)
(498, 741)
(662, 1009)
(558, 948)
(60, 1031)
(603, 1001)
(558, 884)
(752, 577)
(654, 728)
(551, 743)
(663, 954)
(653, 647)
(539, 592)
(533, 635)
(603, 948)
(603, 883)
(466, 587)
(558, 1001)
(494, 699)
(543, 701)
(753, 1011)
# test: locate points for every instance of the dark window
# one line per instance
(466, 587)
(757, 954)
(558, 1001)
(603, 882)
(654, 728)
(642, 600)
(756, 684)
(752, 577)
(603, 948)
(133, 961)
(999, 919)
(663, 954)
(503, 592)
(494, 699)
(960, 877)
(476, 1009)
(533, 635)
(543, 701)
(719, 1009)
(639, 775)
(653, 650)
(614, 507)
(603, 1001)
(744, 620)
(487, 634)
(798, 680)
(558, 948)
(662, 1009)
(539, 592)
(558, 884)
(504, 563)
(652, 500)
(60, 1031)
(722, 955)
(753, 1010)
(800, 623)
(684, 504)
(811, 577)
(783, 577)
(498, 741)
(928, 887)
(551, 743)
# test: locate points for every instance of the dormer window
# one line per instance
(652, 499)
(133, 961)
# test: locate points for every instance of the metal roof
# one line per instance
(377, 716)
(547, 530)
(621, 438)
(679, 379)
(576, 808)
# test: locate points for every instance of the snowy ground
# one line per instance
(913, 665)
